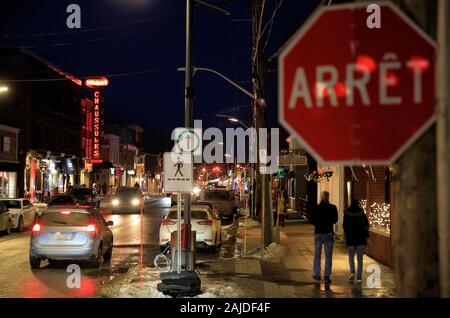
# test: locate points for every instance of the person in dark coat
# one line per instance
(323, 217)
(104, 188)
(356, 228)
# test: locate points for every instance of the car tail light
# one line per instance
(207, 222)
(91, 230)
(168, 222)
(36, 228)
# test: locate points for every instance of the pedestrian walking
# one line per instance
(104, 188)
(323, 217)
(356, 229)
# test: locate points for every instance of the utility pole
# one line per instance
(258, 75)
(443, 145)
(416, 253)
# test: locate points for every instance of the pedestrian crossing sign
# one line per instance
(178, 172)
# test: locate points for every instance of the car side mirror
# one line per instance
(110, 223)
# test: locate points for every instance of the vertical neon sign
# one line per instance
(96, 126)
(96, 118)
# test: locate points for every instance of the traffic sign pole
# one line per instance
(188, 120)
(179, 232)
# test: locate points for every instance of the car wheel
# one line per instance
(108, 255)
(220, 241)
(20, 225)
(98, 260)
(35, 262)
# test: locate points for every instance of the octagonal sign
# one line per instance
(355, 94)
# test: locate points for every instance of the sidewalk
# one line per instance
(286, 269)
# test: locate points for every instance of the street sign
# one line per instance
(292, 159)
(280, 173)
(351, 93)
(188, 140)
(178, 172)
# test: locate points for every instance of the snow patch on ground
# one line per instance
(250, 222)
(274, 250)
(128, 286)
(219, 292)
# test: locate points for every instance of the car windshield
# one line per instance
(81, 192)
(128, 191)
(12, 204)
(195, 215)
(206, 204)
(217, 195)
(60, 219)
(63, 199)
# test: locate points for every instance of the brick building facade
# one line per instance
(372, 185)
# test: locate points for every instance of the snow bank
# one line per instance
(128, 286)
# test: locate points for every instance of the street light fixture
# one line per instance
(4, 89)
(233, 119)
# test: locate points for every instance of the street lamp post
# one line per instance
(188, 120)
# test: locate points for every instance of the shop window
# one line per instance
(379, 215)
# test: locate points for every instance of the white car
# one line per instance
(204, 221)
(5, 219)
(22, 211)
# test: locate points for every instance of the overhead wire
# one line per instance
(271, 21)
(86, 30)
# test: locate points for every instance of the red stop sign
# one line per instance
(356, 94)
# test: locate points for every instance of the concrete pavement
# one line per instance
(286, 269)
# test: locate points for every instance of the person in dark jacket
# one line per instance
(356, 228)
(323, 217)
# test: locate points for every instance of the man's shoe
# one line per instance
(327, 281)
(316, 278)
(359, 280)
(351, 278)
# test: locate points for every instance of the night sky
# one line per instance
(139, 44)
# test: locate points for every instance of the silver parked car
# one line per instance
(71, 233)
(5, 219)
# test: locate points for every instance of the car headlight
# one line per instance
(135, 201)
(115, 202)
(196, 190)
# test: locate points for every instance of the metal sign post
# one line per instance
(179, 232)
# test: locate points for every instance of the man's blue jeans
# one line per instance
(359, 251)
(327, 240)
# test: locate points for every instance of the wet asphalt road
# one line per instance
(18, 280)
